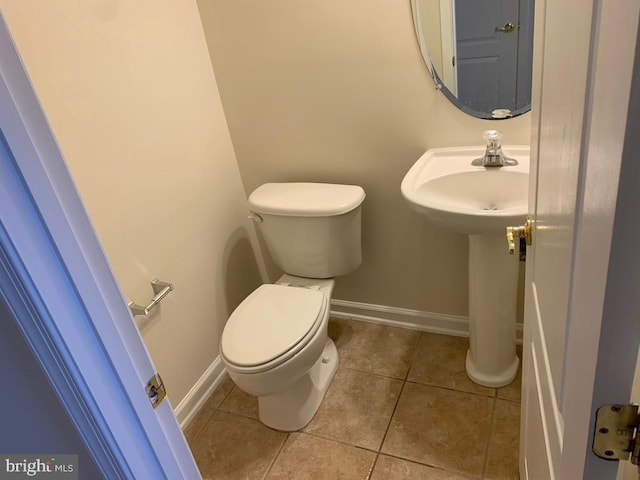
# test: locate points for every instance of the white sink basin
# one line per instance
(451, 193)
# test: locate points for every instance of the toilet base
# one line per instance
(294, 408)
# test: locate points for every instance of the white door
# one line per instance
(577, 317)
(448, 35)
(57, 282)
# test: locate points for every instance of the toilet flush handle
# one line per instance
(255, 217)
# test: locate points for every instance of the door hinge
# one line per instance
(616, 435)
(155, 390)
(453, 61)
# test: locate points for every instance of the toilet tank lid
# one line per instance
(306, 199)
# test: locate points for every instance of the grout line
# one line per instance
(239, 413)
(213, 412)
(451, 389)
(372, 373)
(398, 457)
(268, 470)
(414, 355)
(433, 466)
(491, 431)
(342, 442)
(509, 400)
(404, 383)
(373, 466)
(331, 439)
(227, 395)
(395, 407)
(192, 436)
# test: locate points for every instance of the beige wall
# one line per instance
(336, 91)
(130, 94)
(325, 91)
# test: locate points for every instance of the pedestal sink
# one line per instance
(481, 202)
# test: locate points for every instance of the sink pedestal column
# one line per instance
(493, 289)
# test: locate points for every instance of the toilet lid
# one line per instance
(270, 322)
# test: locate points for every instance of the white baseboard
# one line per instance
(193, 401)
(456, 325)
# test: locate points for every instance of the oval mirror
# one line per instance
(479, 52)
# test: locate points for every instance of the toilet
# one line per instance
(275, 344)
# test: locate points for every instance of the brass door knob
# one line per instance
(508, 28)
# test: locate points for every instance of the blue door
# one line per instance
(493, 53)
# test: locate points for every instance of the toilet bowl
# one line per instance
(275, 344)
(295, 362)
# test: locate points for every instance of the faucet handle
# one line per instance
(492, 137)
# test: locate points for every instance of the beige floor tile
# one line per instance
(241, 403)
(440, 427)
(440, 361)
(502, 457)
(232, 447)
(356, 409)
(305, 457)
(208, 409)
(512, 391)
(390, 468)
(374, 348)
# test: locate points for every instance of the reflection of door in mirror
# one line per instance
(436, 35)
(479, 52)
(488, 34)
(433, 34)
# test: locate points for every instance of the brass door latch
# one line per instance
(524, 231)
(507, 28)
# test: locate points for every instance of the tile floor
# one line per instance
(400, 407)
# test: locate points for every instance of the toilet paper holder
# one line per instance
(161, 289)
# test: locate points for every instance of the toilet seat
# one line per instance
(270, 326)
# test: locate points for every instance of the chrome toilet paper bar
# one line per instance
(161, 289)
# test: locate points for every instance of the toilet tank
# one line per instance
(310, 229)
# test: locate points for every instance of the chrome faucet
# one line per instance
(493, 155)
